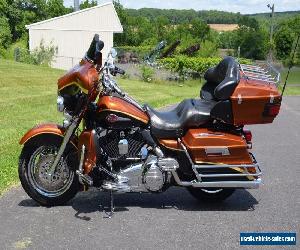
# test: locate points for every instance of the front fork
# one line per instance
(70, 131)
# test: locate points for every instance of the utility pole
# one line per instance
(272, 8)
(76, 5)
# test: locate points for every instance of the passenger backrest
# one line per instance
(224, 78)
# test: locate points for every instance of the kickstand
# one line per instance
(109, 215)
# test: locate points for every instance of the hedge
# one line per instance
(195, 64)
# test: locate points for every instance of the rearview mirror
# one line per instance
(113, 53)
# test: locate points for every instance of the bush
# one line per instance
(184, 64)
(208, 49)
(44, 55)
(147, 73)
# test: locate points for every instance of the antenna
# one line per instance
(291, 65)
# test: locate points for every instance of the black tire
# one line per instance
(209, 195)
(70, 165)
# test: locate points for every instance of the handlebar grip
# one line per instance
(120, 71)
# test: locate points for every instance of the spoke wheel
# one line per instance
(50, 185)
(40, 184)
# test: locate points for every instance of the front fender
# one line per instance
(47, 128)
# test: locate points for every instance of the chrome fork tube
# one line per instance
(63, 146)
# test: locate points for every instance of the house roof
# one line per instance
(99, 18)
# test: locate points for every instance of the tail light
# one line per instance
(272, 110)
(247, 135)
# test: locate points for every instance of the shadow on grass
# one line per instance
(175, 198)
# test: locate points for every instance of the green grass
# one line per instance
(28, 97)
(294, 77)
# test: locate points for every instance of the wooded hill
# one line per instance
(209, 16)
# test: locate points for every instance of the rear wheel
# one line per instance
(211, 195)
(35, 161)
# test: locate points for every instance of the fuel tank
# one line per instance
(84, 75)
(117, 113)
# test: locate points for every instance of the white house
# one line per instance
(73, 33)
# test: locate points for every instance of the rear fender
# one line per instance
(48, 128)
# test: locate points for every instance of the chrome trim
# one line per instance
(79, 172)
(221, 150)
(253, 184)
(60, 104)
(220, 184)
(265, 73)
(63, 146)
(190, 159)
(167, 164)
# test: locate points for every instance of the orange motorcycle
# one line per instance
(111, 142)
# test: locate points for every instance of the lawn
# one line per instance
(294, 77)
(28, 97)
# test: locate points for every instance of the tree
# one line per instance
(56, 8)
(285, 38)
(252, 39)
(253, 43)
(88, 4)
(199, 29)
(5, 33)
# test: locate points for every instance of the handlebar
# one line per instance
(115, 70)
(120, 71)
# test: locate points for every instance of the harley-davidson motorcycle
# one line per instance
(109, 141)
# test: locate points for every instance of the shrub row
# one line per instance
(195, 64)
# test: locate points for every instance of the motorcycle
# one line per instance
(111, 142)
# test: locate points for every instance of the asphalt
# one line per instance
(172, 220)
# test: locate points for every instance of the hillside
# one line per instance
(209, 16)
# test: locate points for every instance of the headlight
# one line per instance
(60, 104)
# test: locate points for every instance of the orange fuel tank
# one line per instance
(115, 105)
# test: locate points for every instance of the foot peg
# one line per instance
(119, 186)
(84, 179)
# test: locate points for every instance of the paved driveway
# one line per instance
(173, 220)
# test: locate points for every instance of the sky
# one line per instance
(242, 6)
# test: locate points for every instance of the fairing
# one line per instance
(83, 75)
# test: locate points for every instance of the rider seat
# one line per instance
(190, 113)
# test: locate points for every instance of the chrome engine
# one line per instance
(151, 176)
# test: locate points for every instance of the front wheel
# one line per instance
(35, 161)
(211, 195)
